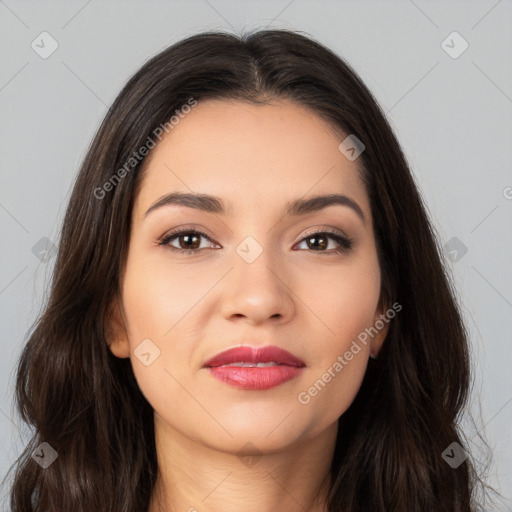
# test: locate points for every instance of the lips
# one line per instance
(255, 368)
(254, 356)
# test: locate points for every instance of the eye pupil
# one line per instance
(316, 237)
(188, 237)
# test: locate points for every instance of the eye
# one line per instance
(190, 241)
(344, 242)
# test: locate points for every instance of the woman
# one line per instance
(249, 310)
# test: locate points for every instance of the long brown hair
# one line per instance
(85, 403)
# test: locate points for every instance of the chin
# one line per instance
(268, 431)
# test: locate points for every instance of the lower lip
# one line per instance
(254, 377)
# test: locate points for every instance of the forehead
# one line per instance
(251, 156)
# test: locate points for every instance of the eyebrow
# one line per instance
(213, 204)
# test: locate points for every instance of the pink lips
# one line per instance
(237, 367)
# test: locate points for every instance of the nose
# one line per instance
(258, 291)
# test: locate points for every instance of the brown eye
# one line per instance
(319, 241)
(189, 240)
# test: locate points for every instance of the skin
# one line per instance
(193, 306)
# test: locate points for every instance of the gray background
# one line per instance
(453, 117)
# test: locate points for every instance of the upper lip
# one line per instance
(249, 354)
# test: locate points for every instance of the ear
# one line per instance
(381, 323)
(115, 331)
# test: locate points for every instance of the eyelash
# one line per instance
(345, 243)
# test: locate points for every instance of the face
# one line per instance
(255, 275)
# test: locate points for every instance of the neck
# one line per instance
(193, 477)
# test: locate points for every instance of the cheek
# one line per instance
(346, 303)
(157, 303)
(158, 295)
(340, 361)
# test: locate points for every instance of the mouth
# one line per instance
(255, 368)
(243, 364)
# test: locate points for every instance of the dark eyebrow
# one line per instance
(213, 204)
